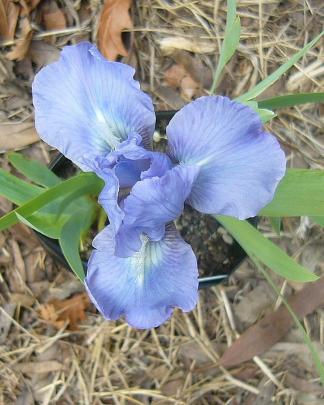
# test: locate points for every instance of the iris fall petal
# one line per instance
(146, 286)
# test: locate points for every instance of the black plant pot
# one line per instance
(61, 165)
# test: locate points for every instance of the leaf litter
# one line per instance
(101, 362)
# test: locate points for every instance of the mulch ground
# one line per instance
(54, 347)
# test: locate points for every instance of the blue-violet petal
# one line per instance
(85, 106)
(240, 164)
(146, 287)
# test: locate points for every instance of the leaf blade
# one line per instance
(69, 241)
(300, 193)
(88, 182)
(33, 170)
(17, 190)
(230, 42)
(290, 100)
(254, 243)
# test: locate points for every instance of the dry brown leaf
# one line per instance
(269, 330)
(114, 20)
(53, 17)
(178, 77)
(16, 136)
(21, 47)
(9, 13)
(70, 311)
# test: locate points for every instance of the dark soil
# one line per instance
(216, 251)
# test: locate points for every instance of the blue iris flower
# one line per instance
(220, 160)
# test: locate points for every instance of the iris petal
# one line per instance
(147, 286)
(240, 164)
(121, 170)
(152, 203)
(85, 106)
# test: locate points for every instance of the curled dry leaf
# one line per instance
(70, 311)
(270, 329)
(114, 20)
(21, 47)
(16, 136)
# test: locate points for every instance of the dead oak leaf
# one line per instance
(70, 311)
(269, 330)
(114, 20)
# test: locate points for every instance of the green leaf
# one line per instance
(33, 170)
(300, 193)
(16, 190)
(291, 100)
(46, 224)
(70, 240)
(265, 115)
(230, 42)
(254, 243)
(262, 86)
(276, 224)
(72, 202)
(88, 182)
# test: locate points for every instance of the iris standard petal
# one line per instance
(125, 166)
(151, 204)
(240, 164)
(85, 105)
(147, 286)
